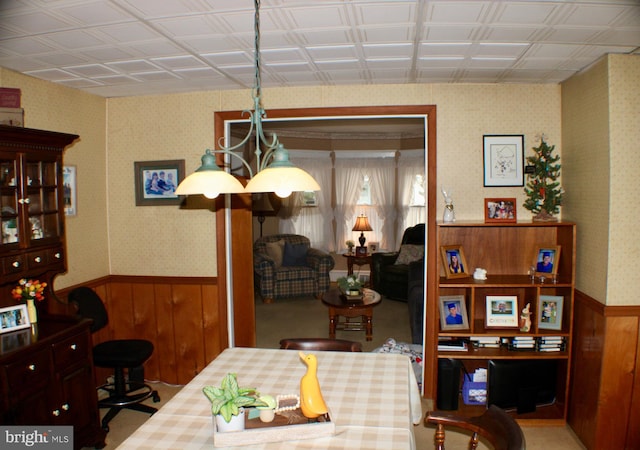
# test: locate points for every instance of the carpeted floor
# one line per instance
(309, 317)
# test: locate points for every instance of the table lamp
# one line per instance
(362, 225)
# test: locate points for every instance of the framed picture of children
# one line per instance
(453, 313)
(546, 260)
(454, 262)
(550, 312)
(156, 182)
(500, 210)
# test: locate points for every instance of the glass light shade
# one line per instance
(282, 177)
(209, 180)
(362, 224)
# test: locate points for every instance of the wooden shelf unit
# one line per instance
(507, 251)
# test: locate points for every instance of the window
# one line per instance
(365, 192)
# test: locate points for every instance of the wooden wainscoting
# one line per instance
(604, 408)
(183, 317)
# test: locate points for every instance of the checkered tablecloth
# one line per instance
(373, 399)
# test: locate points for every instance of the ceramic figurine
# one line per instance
(525, 319)
(449, 215)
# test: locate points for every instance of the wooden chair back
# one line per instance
(495, 425)
(320, 344)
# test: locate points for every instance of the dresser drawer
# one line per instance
(28, 374)
(13, 264)
(71, 350)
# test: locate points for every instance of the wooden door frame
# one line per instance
(242, 246)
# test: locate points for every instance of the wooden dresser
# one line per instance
(46, 378)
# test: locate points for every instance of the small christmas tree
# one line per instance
(544, 194)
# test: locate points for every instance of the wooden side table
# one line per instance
(355, 260)
(362, 308)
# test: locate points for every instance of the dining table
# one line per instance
(373, 399)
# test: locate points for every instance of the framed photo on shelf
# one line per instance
(550, 312)
(156, 182)
(503, 160)
(14, 318)
(546, 260)
(455, 264)
(500, 210)
(453, 313)
(502, 311)
(361, 251)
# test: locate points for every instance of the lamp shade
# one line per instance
(209, 180)
(362, 224)
(282, 177)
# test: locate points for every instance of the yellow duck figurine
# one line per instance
(311, 402)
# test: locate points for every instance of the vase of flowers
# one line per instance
(30, 291)
(350, 244)
(350, 285)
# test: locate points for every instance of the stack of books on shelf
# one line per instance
(526, 343)
(449, 344)
(485, 341)
(551, 344)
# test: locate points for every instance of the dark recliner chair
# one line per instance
(416, 301)
(391, 279)
(118, 355)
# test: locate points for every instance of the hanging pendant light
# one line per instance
(274, 171)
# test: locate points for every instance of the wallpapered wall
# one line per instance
(153, 240)
(624, 238)
(169, 241)
(600, 135)
(57, 108)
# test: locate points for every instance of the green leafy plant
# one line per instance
(350, 282)
(227, 399)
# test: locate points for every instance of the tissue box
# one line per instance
(474, 393)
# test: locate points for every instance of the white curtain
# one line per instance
(409, 167)
(382, 179)
(348, 176)
(314, 222)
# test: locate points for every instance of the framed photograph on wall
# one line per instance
(500, 210)
(502, 311)
(453, 313)
(550, 312)
(14, 318)
(546, 260)
(156, 182)
(69, 190)
(503, 160)
(455, 264)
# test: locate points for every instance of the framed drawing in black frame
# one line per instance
(156, 182)
(503, 160)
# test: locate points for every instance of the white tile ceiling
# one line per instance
(118, 48)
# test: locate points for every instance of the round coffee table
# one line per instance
(341, 306)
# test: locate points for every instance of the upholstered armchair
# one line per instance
(391, 269)
(285, 265)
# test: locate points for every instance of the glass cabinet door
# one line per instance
(9, 219)
(42, 199)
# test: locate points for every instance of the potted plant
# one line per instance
(350, 285)
(228, 402)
